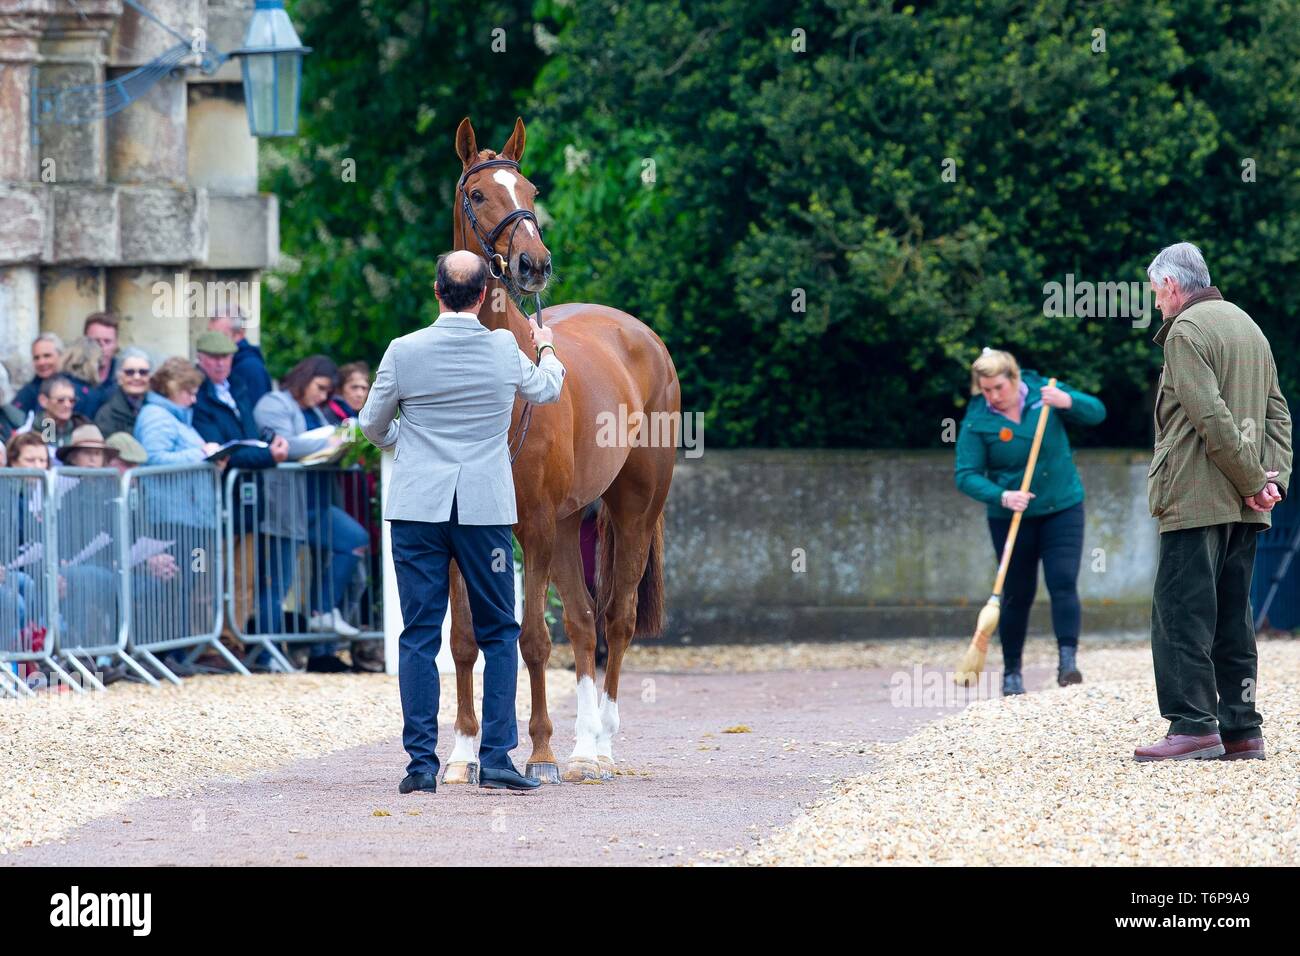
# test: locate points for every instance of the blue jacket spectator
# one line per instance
(164, 427)
(166, 431)
(165, 424)
(248, 369)
(223, 411)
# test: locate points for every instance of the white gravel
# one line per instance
(66, 759)
(1049, 779)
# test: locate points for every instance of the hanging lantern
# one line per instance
(272, 62)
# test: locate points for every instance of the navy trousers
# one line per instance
(422, 551)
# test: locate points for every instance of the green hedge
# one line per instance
(776, 170)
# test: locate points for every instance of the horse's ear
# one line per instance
(514, 147)
(466, 146)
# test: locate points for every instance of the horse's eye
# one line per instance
(476, 196)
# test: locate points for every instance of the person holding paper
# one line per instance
(223, 412)
(165, 425)
(294, 413)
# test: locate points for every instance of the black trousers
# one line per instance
(1202, 633)
(1056, 540)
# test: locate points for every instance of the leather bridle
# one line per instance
(488, 240)
(498, 265)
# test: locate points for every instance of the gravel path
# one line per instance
(848, 753)
(1000, 783)
(687, 786)
(66, 759)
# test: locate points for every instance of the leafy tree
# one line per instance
(712, 166)
(384, 89)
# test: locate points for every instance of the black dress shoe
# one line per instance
(418, 781)
(507, 778)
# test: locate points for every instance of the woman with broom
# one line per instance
(993, 448)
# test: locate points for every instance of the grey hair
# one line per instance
(51, 338)
(1183, 263)
(234, 313)
(134, 352)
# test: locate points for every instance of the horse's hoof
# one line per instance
(606, 765)
(580, 770)
(461, 772)
(545, 772)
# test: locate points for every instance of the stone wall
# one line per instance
(824, 545)
(94, 215)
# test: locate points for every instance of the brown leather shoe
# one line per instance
(1244, 749)
(1181, 747)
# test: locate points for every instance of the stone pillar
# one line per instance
(147, 299)
(19, 39)
(222, 153)
(22, 234)
(128, 211)
(70, 162)
(227, 288)
(146, 142)
(74, 50)
(68, 295)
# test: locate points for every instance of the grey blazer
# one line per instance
(455, 384)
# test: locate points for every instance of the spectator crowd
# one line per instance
(94, 403)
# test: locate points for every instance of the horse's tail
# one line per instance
(650, 590)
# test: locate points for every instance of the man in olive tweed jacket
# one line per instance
(1222, 461)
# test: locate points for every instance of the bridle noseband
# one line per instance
(488, 241)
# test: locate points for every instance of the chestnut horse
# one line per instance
(564, 459)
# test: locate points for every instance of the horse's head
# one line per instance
(494, 202)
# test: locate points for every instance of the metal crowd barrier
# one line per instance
(84, 514)
(99, 567)
(301, 545)
(29, 608)
(172, 555)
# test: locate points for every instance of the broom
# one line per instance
(972, 663)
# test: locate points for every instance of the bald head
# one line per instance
(462, 280)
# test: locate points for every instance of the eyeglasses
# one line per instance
(65, 400)
(135, 372)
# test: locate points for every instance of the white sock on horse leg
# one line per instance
(465, 751)
(586, 729)
(608, 727)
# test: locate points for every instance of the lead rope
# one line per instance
(526, 418)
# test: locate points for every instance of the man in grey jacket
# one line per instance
(451, 495)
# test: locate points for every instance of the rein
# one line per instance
(488, 240)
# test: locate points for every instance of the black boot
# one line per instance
(1067, 671)
(1012, 683)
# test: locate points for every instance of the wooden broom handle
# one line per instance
(1024, 486)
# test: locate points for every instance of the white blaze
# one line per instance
(508, 179)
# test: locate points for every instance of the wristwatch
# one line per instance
(543, 348)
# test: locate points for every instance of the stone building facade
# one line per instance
(102, 215)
